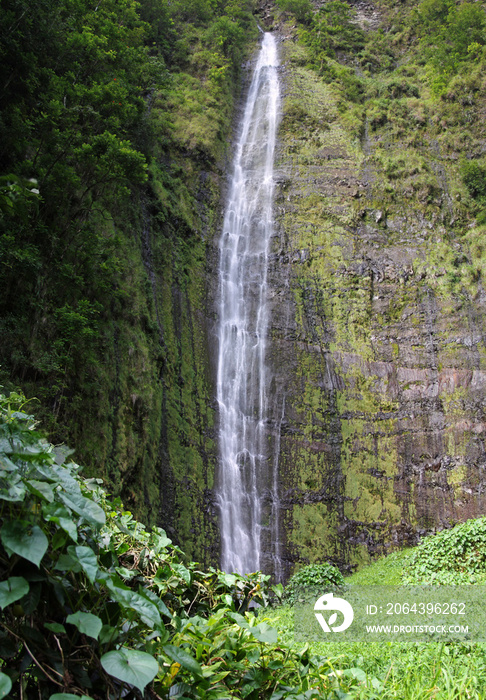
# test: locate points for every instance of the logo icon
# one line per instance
(328, 602)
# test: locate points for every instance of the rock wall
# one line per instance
(378, 336)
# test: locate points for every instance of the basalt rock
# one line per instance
(378, 354)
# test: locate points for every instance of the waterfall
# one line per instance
(247, 478)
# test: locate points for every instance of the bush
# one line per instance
(314, 576)
(451, 557)
(94, 604)
(474, 177)
(301, 9)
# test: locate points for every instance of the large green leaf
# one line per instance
(87, 509)
(25, 540)
(149, 614)
(87, 623)
(109, 634)
(184, 573)
(12, 488)
(183, 658)
(161, 541)
(6, 464)
(265, 633)
(12, 589)
(5, 685)
(158, 602)
(228, 579)
(30, 453)
(135, 667)
(55, 627)
(59, 514)
(240, 620)
(357, 673)
(66, 562)
(88, 560)
(40, 489)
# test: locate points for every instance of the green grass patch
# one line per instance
(407, 671)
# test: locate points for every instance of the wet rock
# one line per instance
(378, 366)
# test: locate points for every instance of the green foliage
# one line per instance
(432, 13)
(301, 9)
(5, 685)
(330, 34)
(451, 34)
(313, 576)
(467, 25)
(384, 571)
(17, 194)
(109, 112)
(451, 557)
(474, 177)
(12, 589)
(194, 11)
(333, 29)
(132, 667)
(399, 670)
(94, 604)
(228, 36)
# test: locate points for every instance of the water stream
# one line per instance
(247, 478)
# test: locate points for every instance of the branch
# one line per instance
(61, 685)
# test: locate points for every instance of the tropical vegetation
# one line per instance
(110, 112)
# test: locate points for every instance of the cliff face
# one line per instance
(110, 182)
(378, 335)
(377, 344)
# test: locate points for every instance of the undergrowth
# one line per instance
(317, 577)
(408, 671)
(96, 605)
(455, 556)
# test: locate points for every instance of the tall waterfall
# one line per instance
(247, 477)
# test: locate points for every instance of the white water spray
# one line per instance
(242, 377)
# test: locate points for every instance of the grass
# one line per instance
(384, 571)
(394, 670)
(407, 671)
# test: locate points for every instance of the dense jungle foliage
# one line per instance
(89, 94)
(114, 122)
(107, 110)
(95, 605)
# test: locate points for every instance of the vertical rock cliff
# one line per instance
(378, 309)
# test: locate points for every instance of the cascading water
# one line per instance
(246, 479)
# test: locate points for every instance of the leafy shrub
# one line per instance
(474, 177)
(94, 604)
(377, 55)
(451, 34)
(301, 9)
(313, 576)
(400, 87)
(398, 166)
(451, 557)
(432, 13)
(196, 11)
(467, 24)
